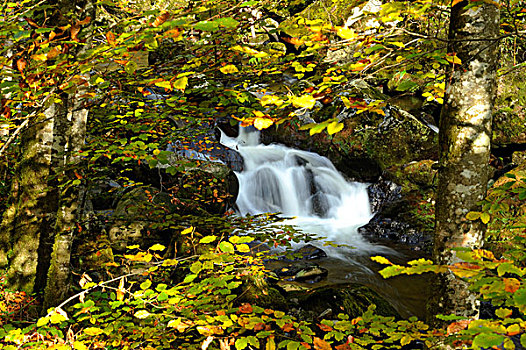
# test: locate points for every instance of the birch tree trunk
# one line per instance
(465, 135)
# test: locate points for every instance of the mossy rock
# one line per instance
(350, 299)
(137, 218)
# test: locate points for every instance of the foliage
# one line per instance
(210, 66)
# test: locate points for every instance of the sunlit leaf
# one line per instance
(229, 69)
(334, 127)
(262, 123)
(305, 101)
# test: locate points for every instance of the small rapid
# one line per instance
(306, 187)
(319, 201)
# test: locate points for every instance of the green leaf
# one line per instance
(226, 247)
(406, 85)
(146, 284)
(208, 239)
(207, 26)
(196, 267)
(227, 22)
(317, 129)
(487, 340)
(130, 67)
(503, 313)
(241, 343)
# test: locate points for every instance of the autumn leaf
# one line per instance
(181, 83)
(229, 69)
(21, 65)
(305, 101)
(320, 344)
(161, 19)
(334, 127)
(262, 123)
(456, 327)
(511, 284)
(246, 308)
(110, 37)
(346, 33)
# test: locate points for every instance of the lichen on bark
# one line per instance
(465, 133)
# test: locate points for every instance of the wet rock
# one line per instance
(383, 193)
(382, 228)
(309, 252)
(351, 299)
(302, 272)
(312, 273)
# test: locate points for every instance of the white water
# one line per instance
(305, 186)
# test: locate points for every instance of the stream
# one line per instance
(307, 188)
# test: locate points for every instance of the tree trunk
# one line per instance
(465, 135)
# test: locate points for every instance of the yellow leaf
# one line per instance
(258, 114)
(271, 344)
(346, 101)
(243, 248)
(305, 101)
(346, 33)
(157, 246)
(142, 314)
(121, 290)
(181, 83)
(262, 123)
(453, 59)
(473, 215)
(484, 217)
(271, 99)
(334, 127)
(228, 69)
(77, 345)
(187, 231)
(381, 260)
(93, 331)
(40, 57)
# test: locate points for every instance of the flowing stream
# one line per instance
(307, 187)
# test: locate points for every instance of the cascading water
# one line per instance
(307, 186)
(303, 185)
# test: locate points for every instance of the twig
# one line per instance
(17, 131)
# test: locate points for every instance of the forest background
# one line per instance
(100, 92)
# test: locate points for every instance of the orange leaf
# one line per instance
(246, 308)
(511, 285)
(75, 31)
(21, 64)
(455, 2)
(161, 19)
(84, 21)
(320, 344)
(111, 38)
(324, 327)
(293, 41)
(77, 175)
(457, 326)
(54, 52)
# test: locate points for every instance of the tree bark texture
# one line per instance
(465, 136)
(37, 228)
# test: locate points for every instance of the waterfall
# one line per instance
(302, 185)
